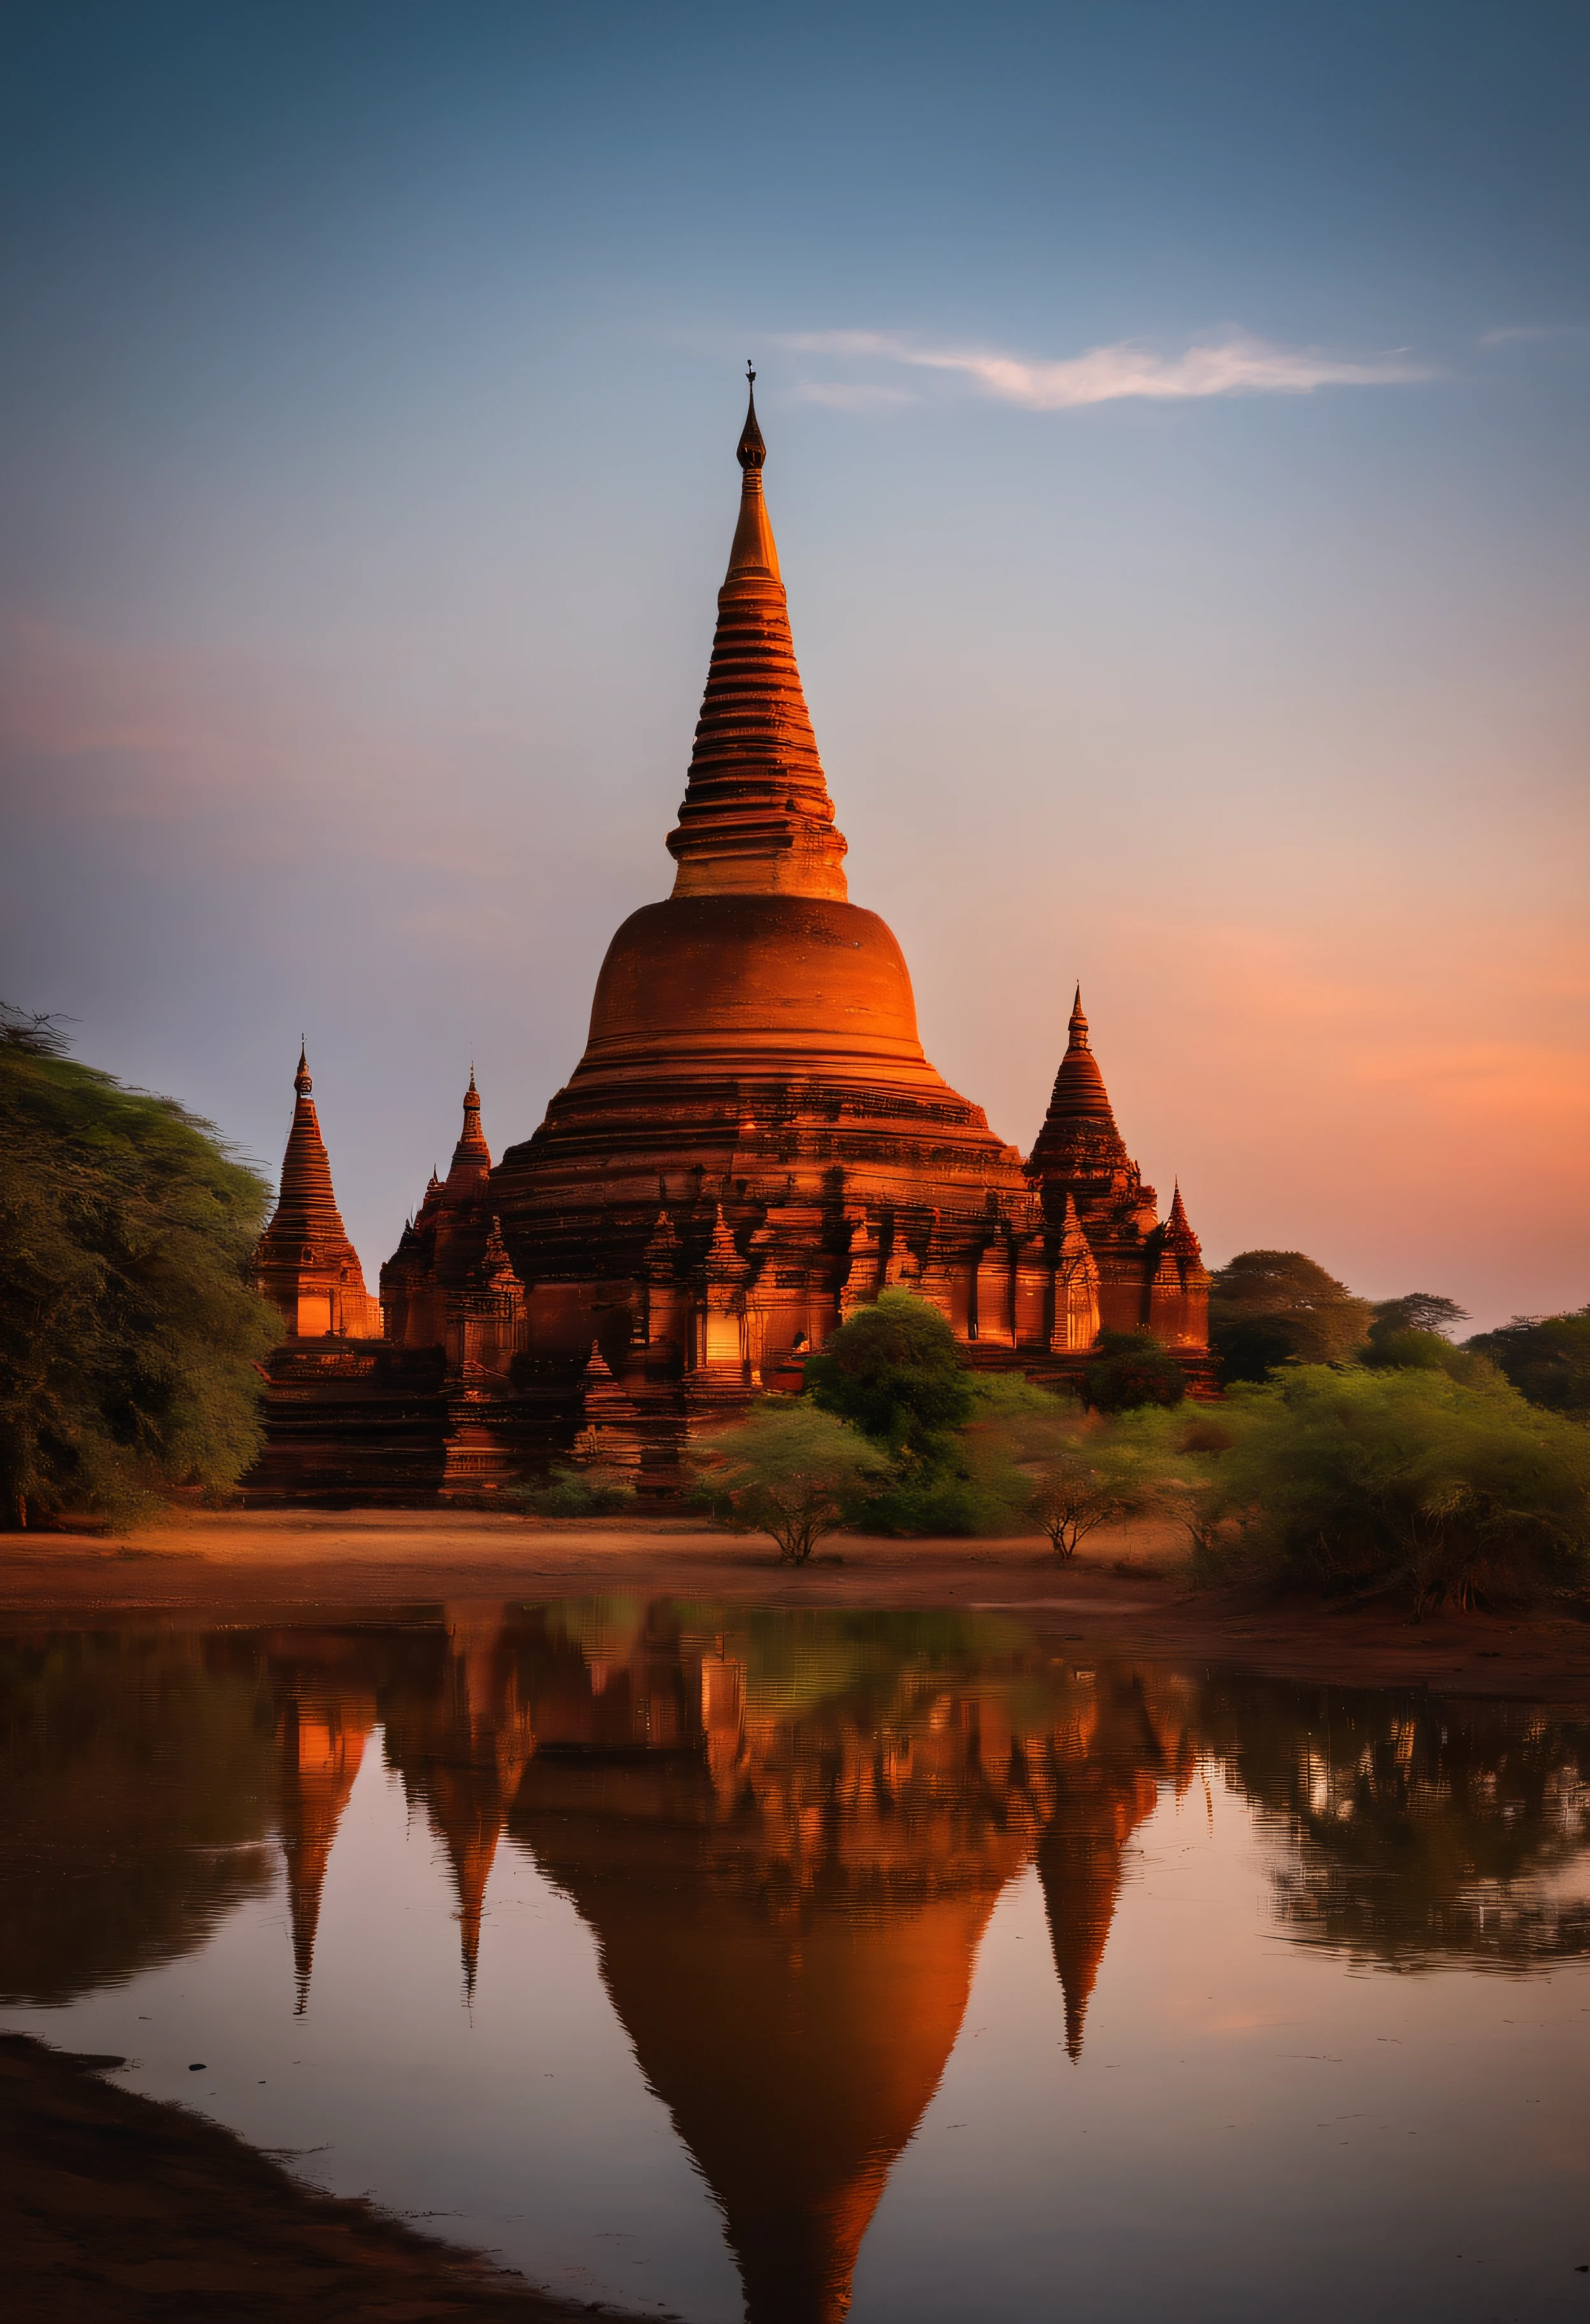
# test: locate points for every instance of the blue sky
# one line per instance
(1177, 426)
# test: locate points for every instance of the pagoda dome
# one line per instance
(739, 983)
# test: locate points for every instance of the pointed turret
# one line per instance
(723, 1261)
(1179, 1237)
(304, 1261)
(472, 1156)
(1080, 1121)
(660, 1261)
(307, 1204)
(1178, 1296)
(445, 1255)
(756, 817)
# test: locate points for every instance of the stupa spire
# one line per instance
(307, 1204)
(1178, 1236)
(1081, 1120)
(756, 818)
(304, 1261)
(472, 1156)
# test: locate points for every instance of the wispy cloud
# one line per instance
(1512, 332)
(1234, 365)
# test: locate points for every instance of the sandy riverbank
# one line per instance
(1125, 1586)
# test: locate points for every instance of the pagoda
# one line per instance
(753, 1143)
(304, 1262)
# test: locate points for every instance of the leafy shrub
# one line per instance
(932, 1499)
(1427, 1351)
(792, 1471)
(895, 1371)
(1065, 1471)
(571, 1492)
(1130, 1369)
(1365, 1478)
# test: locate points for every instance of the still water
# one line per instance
(933, 1968)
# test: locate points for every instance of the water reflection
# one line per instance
(785, 1831)
(1420, 1833)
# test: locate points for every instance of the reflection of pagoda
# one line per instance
(460, 1754)
(795, 2028)
(1103, 1788)
(320, 1738)
(786, 1837)
(788, 1915)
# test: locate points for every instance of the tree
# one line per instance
(791, 1471)
(1546, 1356)
(1416, 1310)
(895, 1371)
(1071, 1498)
(129, 1328)
(1271, 1307)
(1359, 1479)
(1067, 1470)
(1131, 1368)
(1427, 1351)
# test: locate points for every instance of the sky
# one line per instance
(1177, 441)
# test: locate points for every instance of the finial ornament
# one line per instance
(1078, 1028)
(300, 1080)
(750, 451)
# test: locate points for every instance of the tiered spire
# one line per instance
(756, 818)
(472, 1156)
(723, 1261)
(1080, 1121)
(304, 1261)
(1178, 1236)
(306, 1209)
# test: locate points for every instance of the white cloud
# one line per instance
(1235, 365)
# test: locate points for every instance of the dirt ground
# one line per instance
(114, 2210)
(1126, 1586)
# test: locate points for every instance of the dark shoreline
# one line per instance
(116, 2208)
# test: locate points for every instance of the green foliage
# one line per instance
(1546, 1356)
(1415, 1311)
(792, 1471)
(943, 1497)
(895, 1371)
(1427, 1351)
(1403, 1479)
(129, 1329)
(1067, 1472)
(1131, 1370)
(1271, 1307)
(571, 1492)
